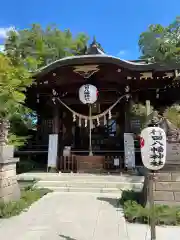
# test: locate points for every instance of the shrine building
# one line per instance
(60, 113)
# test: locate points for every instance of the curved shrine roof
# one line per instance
(103, 58)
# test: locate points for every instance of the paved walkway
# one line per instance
(73, 216)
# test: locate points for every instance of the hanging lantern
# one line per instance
(88, 94)
(153, 147)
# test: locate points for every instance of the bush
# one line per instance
(28, 196)
(130, 195)
(135, 212)
(26, 166)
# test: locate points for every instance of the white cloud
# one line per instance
(4, 31)
(122, 52)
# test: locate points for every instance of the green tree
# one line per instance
(14, 81)
(161, 43)
(45, 45)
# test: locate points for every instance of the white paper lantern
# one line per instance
(88, 94)
(153, 148)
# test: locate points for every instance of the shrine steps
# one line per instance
(86, 183)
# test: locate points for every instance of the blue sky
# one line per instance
(116, 24)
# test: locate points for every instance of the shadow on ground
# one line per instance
(113, 201)
(66, 237)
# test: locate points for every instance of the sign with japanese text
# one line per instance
(153, 147)
(129, 151)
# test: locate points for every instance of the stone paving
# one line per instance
(77, 216)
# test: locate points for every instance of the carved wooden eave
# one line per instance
(146, 75)
(169, 74)
(86, 70)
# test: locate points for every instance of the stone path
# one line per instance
(77, 216)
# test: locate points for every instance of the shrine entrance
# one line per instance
(60, 112)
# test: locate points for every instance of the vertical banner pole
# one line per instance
(90, 129)
(151, 205)
(151, 186)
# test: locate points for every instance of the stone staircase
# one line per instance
(87, 183)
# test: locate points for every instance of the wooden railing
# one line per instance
(69, 163)
(110, 160)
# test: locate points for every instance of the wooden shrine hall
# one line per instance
(54, 97)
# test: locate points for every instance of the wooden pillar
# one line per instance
(56, 122)
(127, 116)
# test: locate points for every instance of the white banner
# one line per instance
(129, 151)
(53, 150)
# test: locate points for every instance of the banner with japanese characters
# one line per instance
(153, 147)
(129, 151)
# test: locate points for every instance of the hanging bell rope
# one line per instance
(95, 117)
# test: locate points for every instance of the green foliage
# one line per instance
(13, 82)
(135, 212)
(17, 141)
(129, 195)
(161, 44)
(44, 44)
(27, 198)
(25, 51)
(173, 115)
(138, 111)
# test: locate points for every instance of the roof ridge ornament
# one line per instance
(94, 48)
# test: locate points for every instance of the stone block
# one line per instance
(163, 176)
(9, 188)
(10, 193)
(169, 203)
(7, 167)
(6, 153)
(167, 186)
(163, 196)
(176, 176)
(177, 197)
(9, 173)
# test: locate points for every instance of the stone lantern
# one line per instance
(9, 188)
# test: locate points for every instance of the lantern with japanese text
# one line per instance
(153, 148)
(88, 94)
